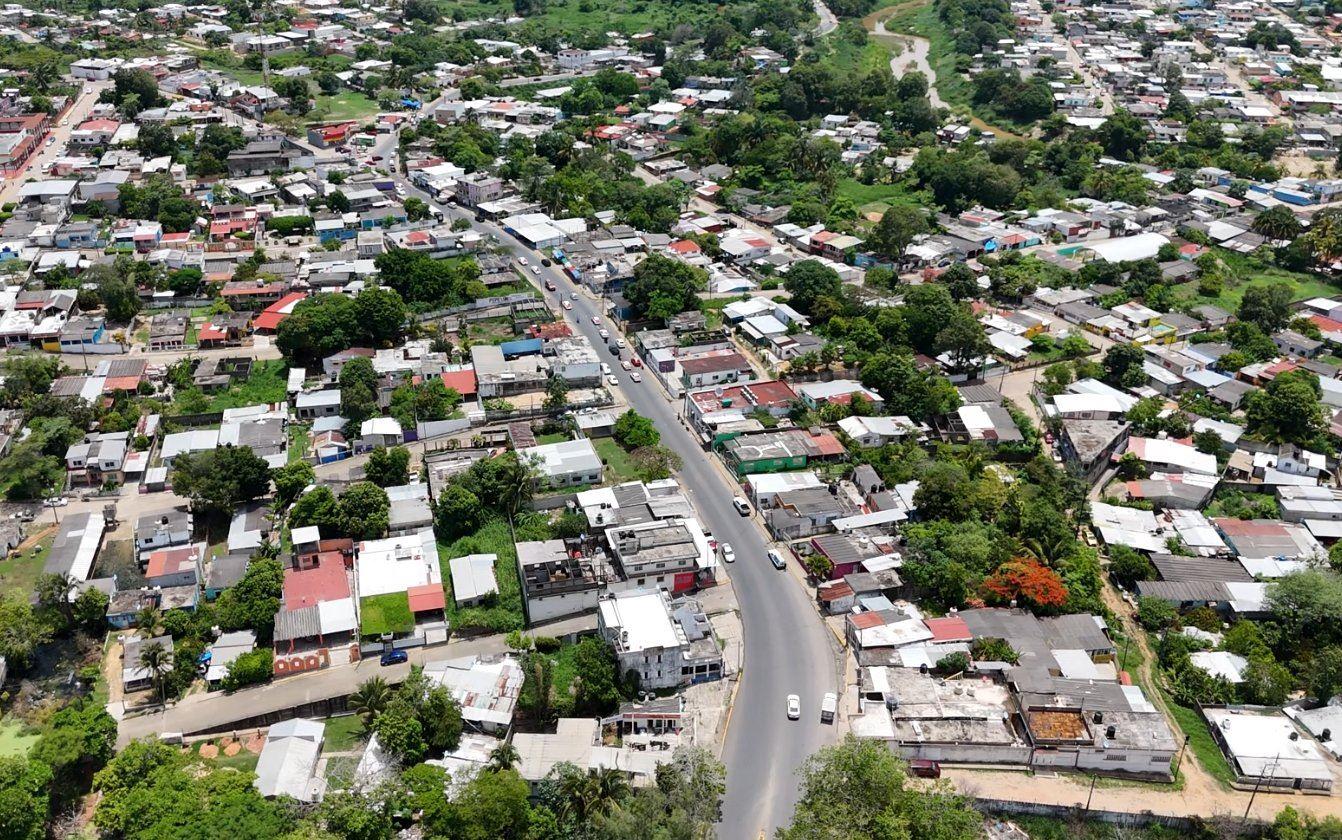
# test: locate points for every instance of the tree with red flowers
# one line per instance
(1028, 582)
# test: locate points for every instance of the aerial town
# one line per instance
(604, 419)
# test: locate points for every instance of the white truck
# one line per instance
(828, 707)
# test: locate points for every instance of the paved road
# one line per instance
(828, 22)
(787, 648)
(84, 102)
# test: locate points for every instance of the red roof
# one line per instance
(121, 383)
(685, 246)
(771, 393)
(170, 561)
(426, 598)
(1249, 527)
(827, 444)
(952, 628)
(279, 310)
(867, 620)
(99, 125)
(462, 381)
(306, 587)
(208, 332)
(833, 591)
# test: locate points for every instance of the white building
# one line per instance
(667, 648)
(288, 762)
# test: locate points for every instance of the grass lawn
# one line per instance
(344, 733)
(849, 59)
(1202, 744)
(876, 198)
(346, 105)
(553, 437)
(505, 613)
(20, 572)
(1249, 272)
(15, 738)
(299, 436)
(619, 467)
(268, 383)
(389, 613)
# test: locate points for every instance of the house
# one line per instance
(559, 580)
(781, 450)
(1265, 749)
(135, 676)
(160, 530)
(249, 528)
(380, 431)
(668, 647)
(806, 512)
(1163, 455)
(175, 566)
(76, 545)
(841, 391)
(223, 650)
(486, 687)
(288, 762)
(871, 432)
(473, 579)
(98, 459)
(671, 554)
(565, 464)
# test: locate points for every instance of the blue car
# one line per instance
(394, 657)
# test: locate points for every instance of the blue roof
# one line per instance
(521, 347)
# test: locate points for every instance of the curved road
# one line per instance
(788, 650)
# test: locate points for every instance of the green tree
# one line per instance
(399, 732)
(1288, 409)
(358, 391)
(662, 287)
(24, 800)
(808, 281)
(896, 230)
(364, 508)
(1267, 307)
(388, 467)
(369, 699)
(156, 658)
(633, 431)
(290, 480)
(456, 513)
(319, 507)
(442, 721)
(21, 630)
(76, 743)
(251, 668)
(858, 789)
(218, 480)
(252, 602)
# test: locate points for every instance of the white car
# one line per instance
(728, 553)
(536, 270)
(522, 260)
(596, 319)
(605, 334)
(793, 707)
(573, 296)
(776, 560)
(620, 343)
(57, 501)
(636, 377)
(741, 505)
(605, 369)
(568, 305)
(624, 363)
(612, 381)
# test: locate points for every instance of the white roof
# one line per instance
(387, 426)
(1140, 247)
(289, 759)
(1261, 745)
(337, 616)
(1173, 453)
(883, 426)
(767, 484)
(306, 534)
(1221, 663)
(642, 620)
(1090, 404)
(1127, 526)
(397, 563)
(565, 457)
(473, 576)
(487, 689)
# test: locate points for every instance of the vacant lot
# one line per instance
(389, 613)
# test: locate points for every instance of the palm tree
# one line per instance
(156, 658)
(605, 788)
(148, 620)
(370, 699)
(1277, 223)
(503, 757)
(55, 591)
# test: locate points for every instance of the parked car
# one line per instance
(793, 707)
(522, 260)
(624, 363)
(728, 553)
(605, 334)
(549, 285)
(777, 560)
(828, 707)
(596, 319)
(741, 505)
(394, 657)
(573, 296)
(612, 381)
(638, 362)
(605, 369)
(536, 270)
(634, 376)
(546, 262)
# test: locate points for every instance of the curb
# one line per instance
(731, 706)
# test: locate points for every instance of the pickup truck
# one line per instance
(828, 706)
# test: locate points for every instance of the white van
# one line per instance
(828, 707)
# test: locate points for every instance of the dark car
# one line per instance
(394, 657)
(614, 348)
(546, 262)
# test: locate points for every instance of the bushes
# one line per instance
(251, 668)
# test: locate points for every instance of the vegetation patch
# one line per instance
(388, 613)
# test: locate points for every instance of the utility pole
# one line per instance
(1092, 791)
(1272, 772)
(1178, 762)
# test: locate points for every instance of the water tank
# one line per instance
(1109, 733)
(1326, 735)
(1098, 717)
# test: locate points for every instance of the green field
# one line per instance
(346, 105)
(344, 733)
(846, 58)
(877, 198)
(388, 613)
(1247, 272)
(20, 572)
(619, 467)
(268, 383)
(16, 738)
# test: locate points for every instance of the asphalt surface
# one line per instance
(788, 650)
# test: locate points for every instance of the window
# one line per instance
(1112, 757)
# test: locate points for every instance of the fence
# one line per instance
(1127, 819)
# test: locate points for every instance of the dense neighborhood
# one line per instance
(605, 419)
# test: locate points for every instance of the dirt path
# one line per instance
(915, 57)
